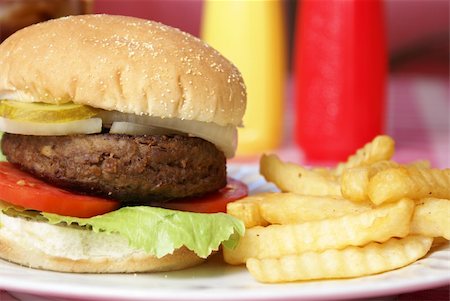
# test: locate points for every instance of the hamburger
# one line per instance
(109, 121)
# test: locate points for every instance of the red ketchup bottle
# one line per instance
(340, 70)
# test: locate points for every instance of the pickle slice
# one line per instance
(43, 112)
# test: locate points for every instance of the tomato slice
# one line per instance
(22, 189)
(212, 202)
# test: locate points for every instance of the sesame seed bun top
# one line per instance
(124, 64)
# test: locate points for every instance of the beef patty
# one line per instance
(132, 169)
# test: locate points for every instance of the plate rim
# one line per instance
(293, 290)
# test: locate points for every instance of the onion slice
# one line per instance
(85, 126)
(129, 128)
(223, 137)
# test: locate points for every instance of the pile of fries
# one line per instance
(366, 216)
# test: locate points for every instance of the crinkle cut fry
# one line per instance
(380, 224)
(409, 182)
(349, 262)
(380, 148)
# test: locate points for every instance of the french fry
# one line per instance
(272, 241)
(409, 182)
(379, 149)
(421, 164)
(294, 178)
(432, 218)
(326, 172)
(343, 222)
(355, 181)
(349, 262)
(291, 208)
(248, 209)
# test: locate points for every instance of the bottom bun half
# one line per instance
(69, 249)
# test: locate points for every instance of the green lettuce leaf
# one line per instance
(157, 231)
(2, 157)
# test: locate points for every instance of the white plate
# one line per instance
(216, 281)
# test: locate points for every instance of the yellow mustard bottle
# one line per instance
(251, 34)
